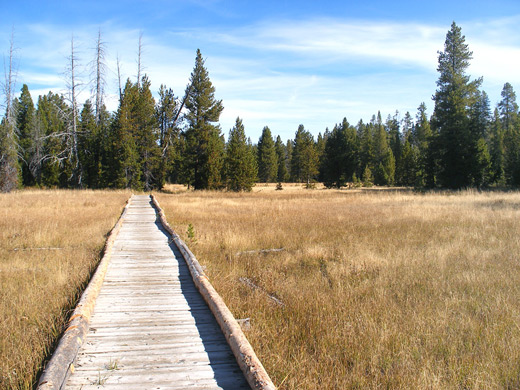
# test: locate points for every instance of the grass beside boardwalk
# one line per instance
(50, 242)
(379, 289)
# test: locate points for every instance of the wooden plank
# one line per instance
(150, 321)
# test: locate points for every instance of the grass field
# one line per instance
(50, 241)
(378, 289)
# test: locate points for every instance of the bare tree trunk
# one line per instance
(119, 79)
(73, 152)
(139, 53)
(8, 137)
(100, 76)
(38, 152)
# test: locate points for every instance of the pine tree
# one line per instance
(456, 144)
(240, 162)
(407, 126)
(366, 152)
(281, 153)
(88, 145)
(304, 162)
(25, 123)
(384, 161)
(333, 169)
(166, 112)
(508, 107)
(480, 119)
(497, 150)
(267, 158)
(393, 130)
(125, 170)
(289, 154)
(321, 141)
(147, 138)
(421, 141)
(341, 156)
(509, 120)
(407, 165)
(51, 113)
(203, 144)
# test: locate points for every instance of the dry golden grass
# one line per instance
(380, 289)
(50, 242)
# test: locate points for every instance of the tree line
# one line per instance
(146, 143)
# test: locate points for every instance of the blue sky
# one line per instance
(273, 63)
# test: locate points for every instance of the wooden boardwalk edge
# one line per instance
(253, 370)
(61, 364)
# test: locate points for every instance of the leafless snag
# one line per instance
(98, 73)
(139, 57)
(119, 78)
(8, 136)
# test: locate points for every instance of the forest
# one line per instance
(59, 142)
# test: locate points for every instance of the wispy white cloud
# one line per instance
(282, 73)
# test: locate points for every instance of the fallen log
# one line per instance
(248, 282)
(260, 251)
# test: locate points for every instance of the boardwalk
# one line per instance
(150, 328)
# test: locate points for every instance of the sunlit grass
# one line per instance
(380, 289)
(50, 242)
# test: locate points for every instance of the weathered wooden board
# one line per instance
(150, 328)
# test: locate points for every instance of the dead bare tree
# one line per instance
(8, 136)
(139, 57)
(98, 76)
(119, 78)
(72, 124)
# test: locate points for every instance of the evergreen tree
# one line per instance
(125, 171)
(480, 118)
(304, 162)
(497, 150)
(240, 162)
(394, 135)
(135, 140)
(267, 158)
(407, 126)
(166, 112)
(508, 109)
(53, 129)
(148, 138)
(341, 157)
(321, 141)
(456, 143)
(89, 147)
(289, 154)
(103, 139)
(407, 165)
(203, 143)
(281, 154)
(421, 142)
(333, 169)
(25, 123)
(384, 161)
(366, 154)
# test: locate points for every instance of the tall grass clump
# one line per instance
(50, 243)
(377, 289)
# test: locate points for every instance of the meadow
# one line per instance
(50, 242)
(366, 288)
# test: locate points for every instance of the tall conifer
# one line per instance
(203, 143)
(267, 158)
(456, 144)
(240, 162)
